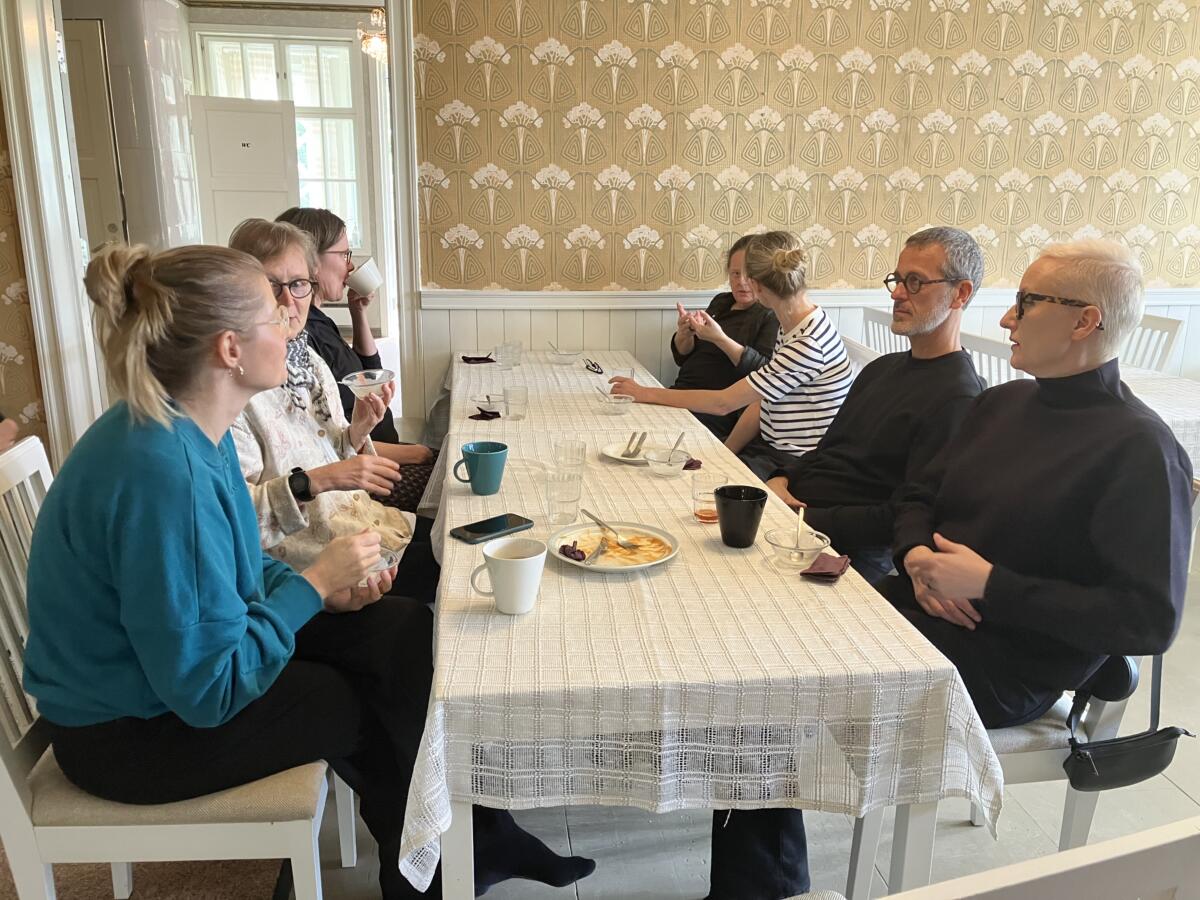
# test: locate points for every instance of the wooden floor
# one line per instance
(647, 857)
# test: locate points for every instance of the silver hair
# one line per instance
(1107, 275)
(964, 258)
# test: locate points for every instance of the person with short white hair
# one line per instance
(1054, 530)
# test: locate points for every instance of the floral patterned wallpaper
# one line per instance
(20, 384)
(592, 144)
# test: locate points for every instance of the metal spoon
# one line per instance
(626, 545)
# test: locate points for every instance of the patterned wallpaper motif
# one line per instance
(20, 384)
(591, 144)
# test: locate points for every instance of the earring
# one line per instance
(240, 371)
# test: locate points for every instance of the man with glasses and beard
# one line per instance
(902, 408)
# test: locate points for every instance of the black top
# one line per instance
(707, 368)
(899, 414)
(1080, 496)
(327, 340)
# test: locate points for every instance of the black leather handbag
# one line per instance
(1118, 762)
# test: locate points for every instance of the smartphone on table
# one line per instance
(486, 529)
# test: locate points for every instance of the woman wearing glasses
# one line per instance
(1054, 529)
(311, 471)
(334, 266)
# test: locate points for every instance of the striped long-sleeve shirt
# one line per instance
(803, 384)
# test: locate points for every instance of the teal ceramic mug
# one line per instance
(485, 466)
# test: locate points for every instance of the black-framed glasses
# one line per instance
(1025, 298)
(593, 366)
(344, 254)
(913, 282)
(299, 288)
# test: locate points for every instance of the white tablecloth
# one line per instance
(712, 681)
(1176, 400)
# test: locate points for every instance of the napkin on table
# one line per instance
(827, 567)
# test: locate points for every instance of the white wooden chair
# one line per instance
(860, 354)
(1158, 864)
(992, 359)
(1027, 753)
(44, 819)
(1150, 345)
(877, 332)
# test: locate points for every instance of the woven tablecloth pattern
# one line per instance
(715, 680)
(1176, 400)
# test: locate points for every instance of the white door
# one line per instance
(95, 140)
(245, 161)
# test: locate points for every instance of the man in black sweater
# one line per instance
(1054, 529)
(901, 410)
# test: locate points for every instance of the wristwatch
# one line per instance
(300, 486)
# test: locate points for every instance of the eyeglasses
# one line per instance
(344, 254)
(593, 366)
(280, 320)
(1024, 298)
(913, 282)
(299, 288)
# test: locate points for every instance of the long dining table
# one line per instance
(715, 680)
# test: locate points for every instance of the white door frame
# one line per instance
(404, 173)
(36, 109)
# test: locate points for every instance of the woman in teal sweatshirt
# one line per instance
(170, 657)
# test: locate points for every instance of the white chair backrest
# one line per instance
(24, 479)
(991, 358)
(1158, 863)
(860, 354)
(877, 332)
(1149, 346)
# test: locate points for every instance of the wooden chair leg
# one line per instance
(306, 860)
(1078, 812)
(347, 822)
(34, 879)
(122, 879)
(863, 848)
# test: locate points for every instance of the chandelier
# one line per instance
(374, 40)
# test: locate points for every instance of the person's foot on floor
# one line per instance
(513, 852)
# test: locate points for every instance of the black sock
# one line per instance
(504, 850)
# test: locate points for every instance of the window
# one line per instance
(320, 77)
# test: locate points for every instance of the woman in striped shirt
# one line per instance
(790, 401)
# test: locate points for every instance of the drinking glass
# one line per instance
(516, 402)
(563, 490)
(569, 454)
(704, 499)
(505, 356)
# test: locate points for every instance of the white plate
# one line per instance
(572, 532)
(613, 451)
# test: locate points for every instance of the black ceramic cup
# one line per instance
(739, 510)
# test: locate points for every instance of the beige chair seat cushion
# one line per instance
(284, 797)
(1047, 733)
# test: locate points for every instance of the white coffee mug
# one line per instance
(365, 278)
(515, 568)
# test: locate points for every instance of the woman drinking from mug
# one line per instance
(168, 655)
(311, 472)
(791, 401)
(334, 267)
(726, 342)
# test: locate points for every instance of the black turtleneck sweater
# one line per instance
(899, 414)
(1079, 495)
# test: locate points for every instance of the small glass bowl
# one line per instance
(565, 357)
(495, 404)
(787, 553)
(368, 381)
(615, 404)
(387, 559)
(666, 463)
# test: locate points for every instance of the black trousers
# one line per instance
(355, 694)
(762, 459)
(758, 854)
(418, 573)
